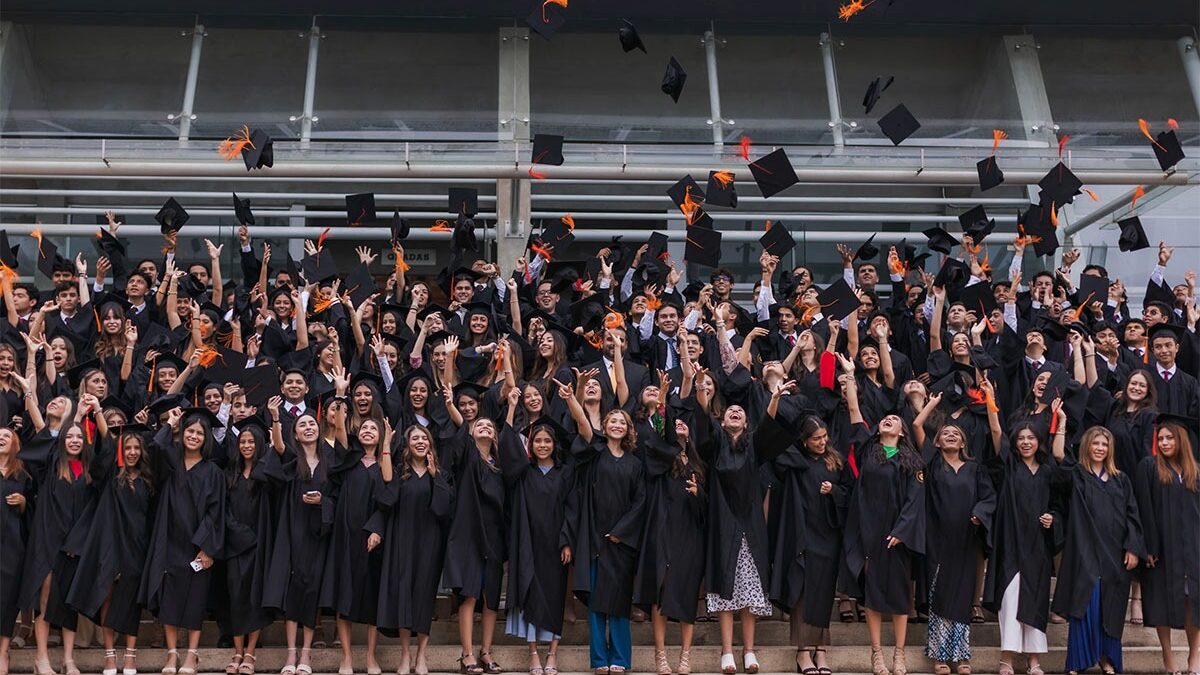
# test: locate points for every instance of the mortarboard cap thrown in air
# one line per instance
(720, 189)
(683, 188)
(1133, 235)
(1167, 149)
(990, 174)
(400, 228)
(838, 300)
(973, 215)
(463, 201)
(1059, 186)
(673, 79)
(241, 209)
(774, 173)
(978, 298)
(360, 209)
(980, 229)
(47, 256)
(874, 91)
(703, 246)
(940, 240)
(547, 149)
(260, 152)
(777, 240)
(1092, 288)
(628, 35)
(360, 284)
(898, 124)
(953, 275)
(171, 217)
(1036, 222)
(547, 18)
(868, 251)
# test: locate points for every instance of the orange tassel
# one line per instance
(498, 361)
(230, 148)
(1092, 195)
(997, 136)
(614, 319)
(321, 239)
(1053, 422)
(121, 451)
(690, 206)
(855, 6)
(725, 178)
(541, 250)
(1062, 143)
(1145, 127)
(744, 148)
(1053, 214)
(653, 304)
(1138, 193)
(560, 3)
(535, 174)
(99, 328)
(208, 356)
(37, 234)
(1172, 124)
(1078, 311)
(90, 428)
(1026, 239)
(986, 265)
(569, 222)
(991, 402)
(976, 395)
(897, 266)
(595, 340)
(441, 226)
(153, 368)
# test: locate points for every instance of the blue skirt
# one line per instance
(1087, 642)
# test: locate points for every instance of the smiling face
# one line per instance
(112, 323)
(542, 445)
(246, 445)
(1027, 443)
(546, 345)
(418, 393)
(419, 444)
(1166, 442)
(1137, 388)
(734, 419)
(668, 319)
(891, 424)
(1039, 384)
(868, 356)
(1098, 449)
(464, 289)
(131, 450)
(479, 324)
(467, 406)
(532, 399)
(960, 345)
(951, 438)
(368, 433)
(194, 436)
(7, 442)
(212, 399)
(307, 429)
(282, 306)
(818, 442)
(615, 426)
(294, 387)
(591, 390)
(363, 397)
(483, 429)
(73, 441)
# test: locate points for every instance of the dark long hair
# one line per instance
(63, 470)
(910, 459)
(302, 469)
(233, 467)
(695, 464)
(809, 427)
(1041, 455)
(1151, 400)
(206, 450)
(127, 475)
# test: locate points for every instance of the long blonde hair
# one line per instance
(1085, 443)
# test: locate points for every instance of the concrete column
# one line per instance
(1190, 54)
(512, 196)
(7, 39)
(1036, 117)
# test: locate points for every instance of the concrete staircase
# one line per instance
(850, 654)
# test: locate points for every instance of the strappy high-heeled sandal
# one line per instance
(192, 670)
(303, 668)
(660, 662)
(1005, 668)
(685, 662)
(110, 654)
(168, 669)
(821, 670)
(899, 667)
(535, 670)
(43, 668)
(69, 667)
(130, 655)
(235, 662)
(877, 667)
(468, 669)
(811, 670)
(551, 669)
(247, 667)
(290, 668)
(489, 664)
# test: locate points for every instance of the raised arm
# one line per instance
(1089, 362)
(514, 307)
(851, 391)
(993, 411)
(918, 424)
(29, 387)
(935, 322)
(131, 338)
(619, 371)
(1058, 444)
(301, 320)
(214, 259)
(582, 424)
(885, 357)
(276, 427)
(85, 290)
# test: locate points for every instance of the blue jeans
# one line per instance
(610, 641)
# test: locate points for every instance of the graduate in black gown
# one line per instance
(475, 547)
(540, 487)
(311, 459)
(1168, 494)
(420, 502)
(254, 486)
(959, 504)
(808, 514)
(115, 538)
(1131, 419)
(1026, 533)
(885, 524)
(189, 529)
(1103, 545)
(611, 501)
(58, 459)
(673, 545)
(16, 510)
(350, 583)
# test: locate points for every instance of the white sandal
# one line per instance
(132, 655)
(172, 670)
(749, 662)
(110, 654)
(728, 665)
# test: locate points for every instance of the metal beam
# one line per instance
(1121, 208)
(714, 92)
(122, 168)
(189, 89)
(512, 117)
(1191, 66)
(308, 116)
(831, 90)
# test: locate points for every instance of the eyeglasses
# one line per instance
(722, 277)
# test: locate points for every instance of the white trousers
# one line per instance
(1014, 635)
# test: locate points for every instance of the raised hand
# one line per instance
(243, 235)
(214, 251)
(365, 255)
(80, 264)
(1164, 253)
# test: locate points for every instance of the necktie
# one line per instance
(1166, 376)
(295, 411)
(672, 353)
(612, 378)
(791, 340)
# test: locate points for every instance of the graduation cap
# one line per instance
(1167, 149)
(463, 201)
(1160, 292)
(241, 210)
(773, 173)
(561, 437)
(979, 298)
(562, 274)
(720, 189)
(1036, 222)
(683, 188)
(1172, 418)
(360, 284)
(8, 254)
(1057, 386)
(462, 237)
(868, 250)
(940, 240)
(475, 391)
(980, 229)
(588, 313)
(260, 152)
(75, 375)
(673, 79)
(205, 414)
(898, 124)
(1133, 235)
(111, 402)
(319, 267)
(1059, 186)
(656, 246)
(777, 240)
(990, 174)
(628, 35)
(546, 19)
(973, 215)
(48, 257)
(360, 209)
(1092, 288)
(838, 300)
(547, 149)
(874, 91)
(171, 217)
(953, 275)
(165, 403)
(400, 228)
(558, 235)
(981, 359)
(433, 308)
(703, 246)
(1164, 329)
(168, 360)
(1051, 328)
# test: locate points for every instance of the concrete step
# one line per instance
(574, 659)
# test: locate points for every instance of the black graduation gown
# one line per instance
(189, 518)
(888, 500)
(671, 553)
(808, 533)
(250, 526)
(14, 532)
(475, 546)
(611, 499)
(1020, 545)
(1134, 436)
(297, 563)
(538, 529)
(735, 505)
(1170, 516)
(952, 542)
(59, 504)
(350, 583)
(419, 511)
(113, 552)
(1102, 524)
